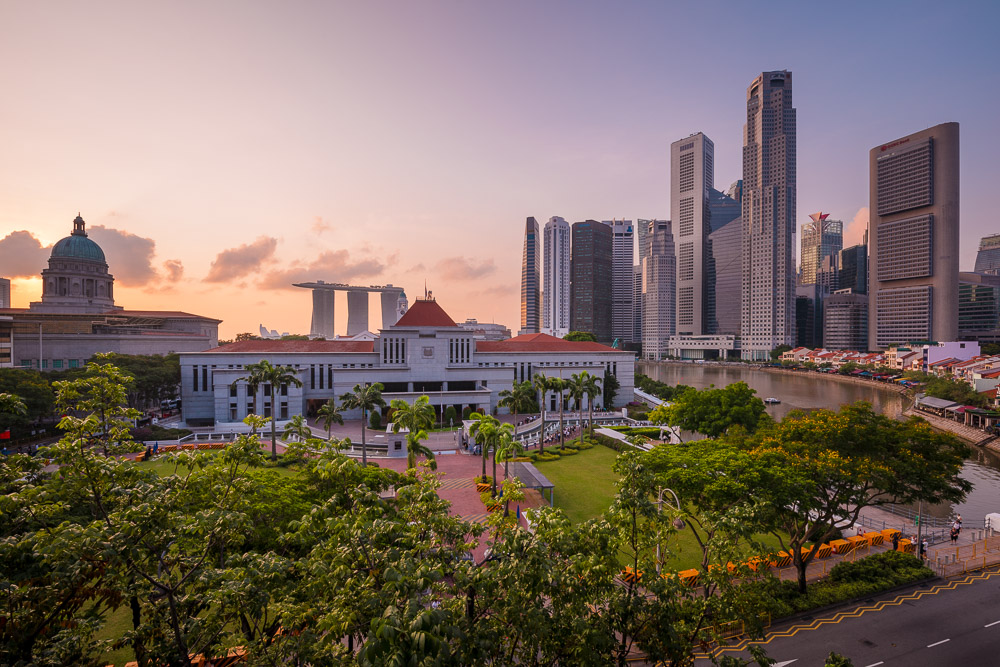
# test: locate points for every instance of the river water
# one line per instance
(810, 391)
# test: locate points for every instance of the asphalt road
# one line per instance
(954, 622)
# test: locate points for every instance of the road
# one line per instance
(949, 623)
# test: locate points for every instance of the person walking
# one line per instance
(923, 549)
(895, 541)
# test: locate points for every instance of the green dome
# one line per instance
(77, 245)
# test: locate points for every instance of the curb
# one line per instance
(809, 614)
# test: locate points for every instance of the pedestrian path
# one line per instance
(452, 483)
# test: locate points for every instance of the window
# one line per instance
(74, 363)
(232, 390)
(57, 363)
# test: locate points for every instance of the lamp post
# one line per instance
(678, 522)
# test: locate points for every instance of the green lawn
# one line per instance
(585, 485)
(164, 464)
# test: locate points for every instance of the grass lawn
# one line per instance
(585, 486)
(164, 464)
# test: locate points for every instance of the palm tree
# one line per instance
(415, 417)
(517, 399)
(330, 414)
(541, 385)
(507, 448)
(366, 397)
(575, 386)
(264, 374)
(587, 385)
(297, 426)
(559, 386)
(488, 431)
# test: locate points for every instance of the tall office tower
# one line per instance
(622, 279)
(4, 293)
(722, 264)
(852, 272)
(988, 258)
(768, 286)
(692, 175)
(845, 321)
(637, 303)
(530, 289)
(821, 238)
(979, 307)
(590, 282)
(556, 274)
(659, 284)
(913, 231)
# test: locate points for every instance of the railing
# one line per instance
(930, 521)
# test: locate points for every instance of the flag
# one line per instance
(5, 435)
(518, 512)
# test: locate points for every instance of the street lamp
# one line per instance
(678, 522)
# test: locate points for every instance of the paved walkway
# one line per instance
(970, 434)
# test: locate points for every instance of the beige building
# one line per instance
(913, 238)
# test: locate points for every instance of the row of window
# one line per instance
(55, 364)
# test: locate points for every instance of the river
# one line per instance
(810, 391)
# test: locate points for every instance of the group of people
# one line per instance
(956, 529)
(567, 432)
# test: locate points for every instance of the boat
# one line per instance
(771, 400)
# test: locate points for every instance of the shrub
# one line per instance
(450, 414)
(466, 412)
(375, 420)
(567, 451)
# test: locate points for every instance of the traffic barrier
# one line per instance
(824, 551)
(888, 533)
(758, 563)
(689, 577)
(857, 542)
(906, 546)
(874, 539)
(783, 559)
(841, 547)
(630, 575)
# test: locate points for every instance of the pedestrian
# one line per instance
(895, 541)
(923, 549)
(954, 535)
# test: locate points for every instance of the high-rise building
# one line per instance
(853, 271)
(556, 276)
(913, 280)
(809, 315)
(622, 279)
(659, 277)
(988, 257)
(530, 289)
(4, 293)
(723, 262)
(768, 285)
(692, 175)
(845, 321)
(590, 281)
(637, 303)
(979, 307)
(821, 238)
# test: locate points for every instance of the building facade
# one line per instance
(979, 307)
(913, 238)
(424, 353)
(845, 321)
(659, 275)
(622, 280)
(988, 257)
(77, 316)
(591, 279)
(556, 278)
(768, 215)
(5, 293)
(531, 306)
(821, 238)
(692, 176)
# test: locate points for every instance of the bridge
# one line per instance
(393, 306)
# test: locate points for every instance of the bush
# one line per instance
(375, 421)
(567, 451)
(611, 443)
(157, 432)
(466, 412)
(450, 414)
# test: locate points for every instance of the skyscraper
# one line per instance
(692, 174)
(845, 321)
(590, 282)
(556, 270)
(821, 238)
(768, 286)
(725, 261)
(659, 278)
(4, 293)
(979, 307)
(913, 281)
(622, 279)
(988, 257)
(530, 292)
(637, 303)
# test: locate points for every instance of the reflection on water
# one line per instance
(810, 391)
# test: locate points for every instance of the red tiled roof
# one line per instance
(539, 343)
(264, 346)
(425, 314)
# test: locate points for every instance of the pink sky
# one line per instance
(224, 150)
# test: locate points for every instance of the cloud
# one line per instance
(130, 257)
(320, 225)
(460, 268)
(333, 266)
(22, 255)
(242, 261)
(499, 290)
(854, 233)
(174, 269)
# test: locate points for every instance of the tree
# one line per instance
(33, 389)
(416, 418)
(541, 385)
(297, 426)
(559, 386)
(277, 379)
(712, 411)
(156, 377)
(778, 351)
(517, 399)
(611, 386)
(375, 420)
(364, 397)
(487, 432)
(585, 384)
(11, 407)
(450, 415)
(581, 336)
(330, 414)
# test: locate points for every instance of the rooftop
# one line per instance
(425, 313)
(540, 342)
(265, 346)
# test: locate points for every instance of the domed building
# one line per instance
(77, 280)
(77, 316)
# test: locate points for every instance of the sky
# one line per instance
(221, 151)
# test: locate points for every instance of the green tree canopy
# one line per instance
(365, 397)
(265, 374)
(713, 411)
(583, 336)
